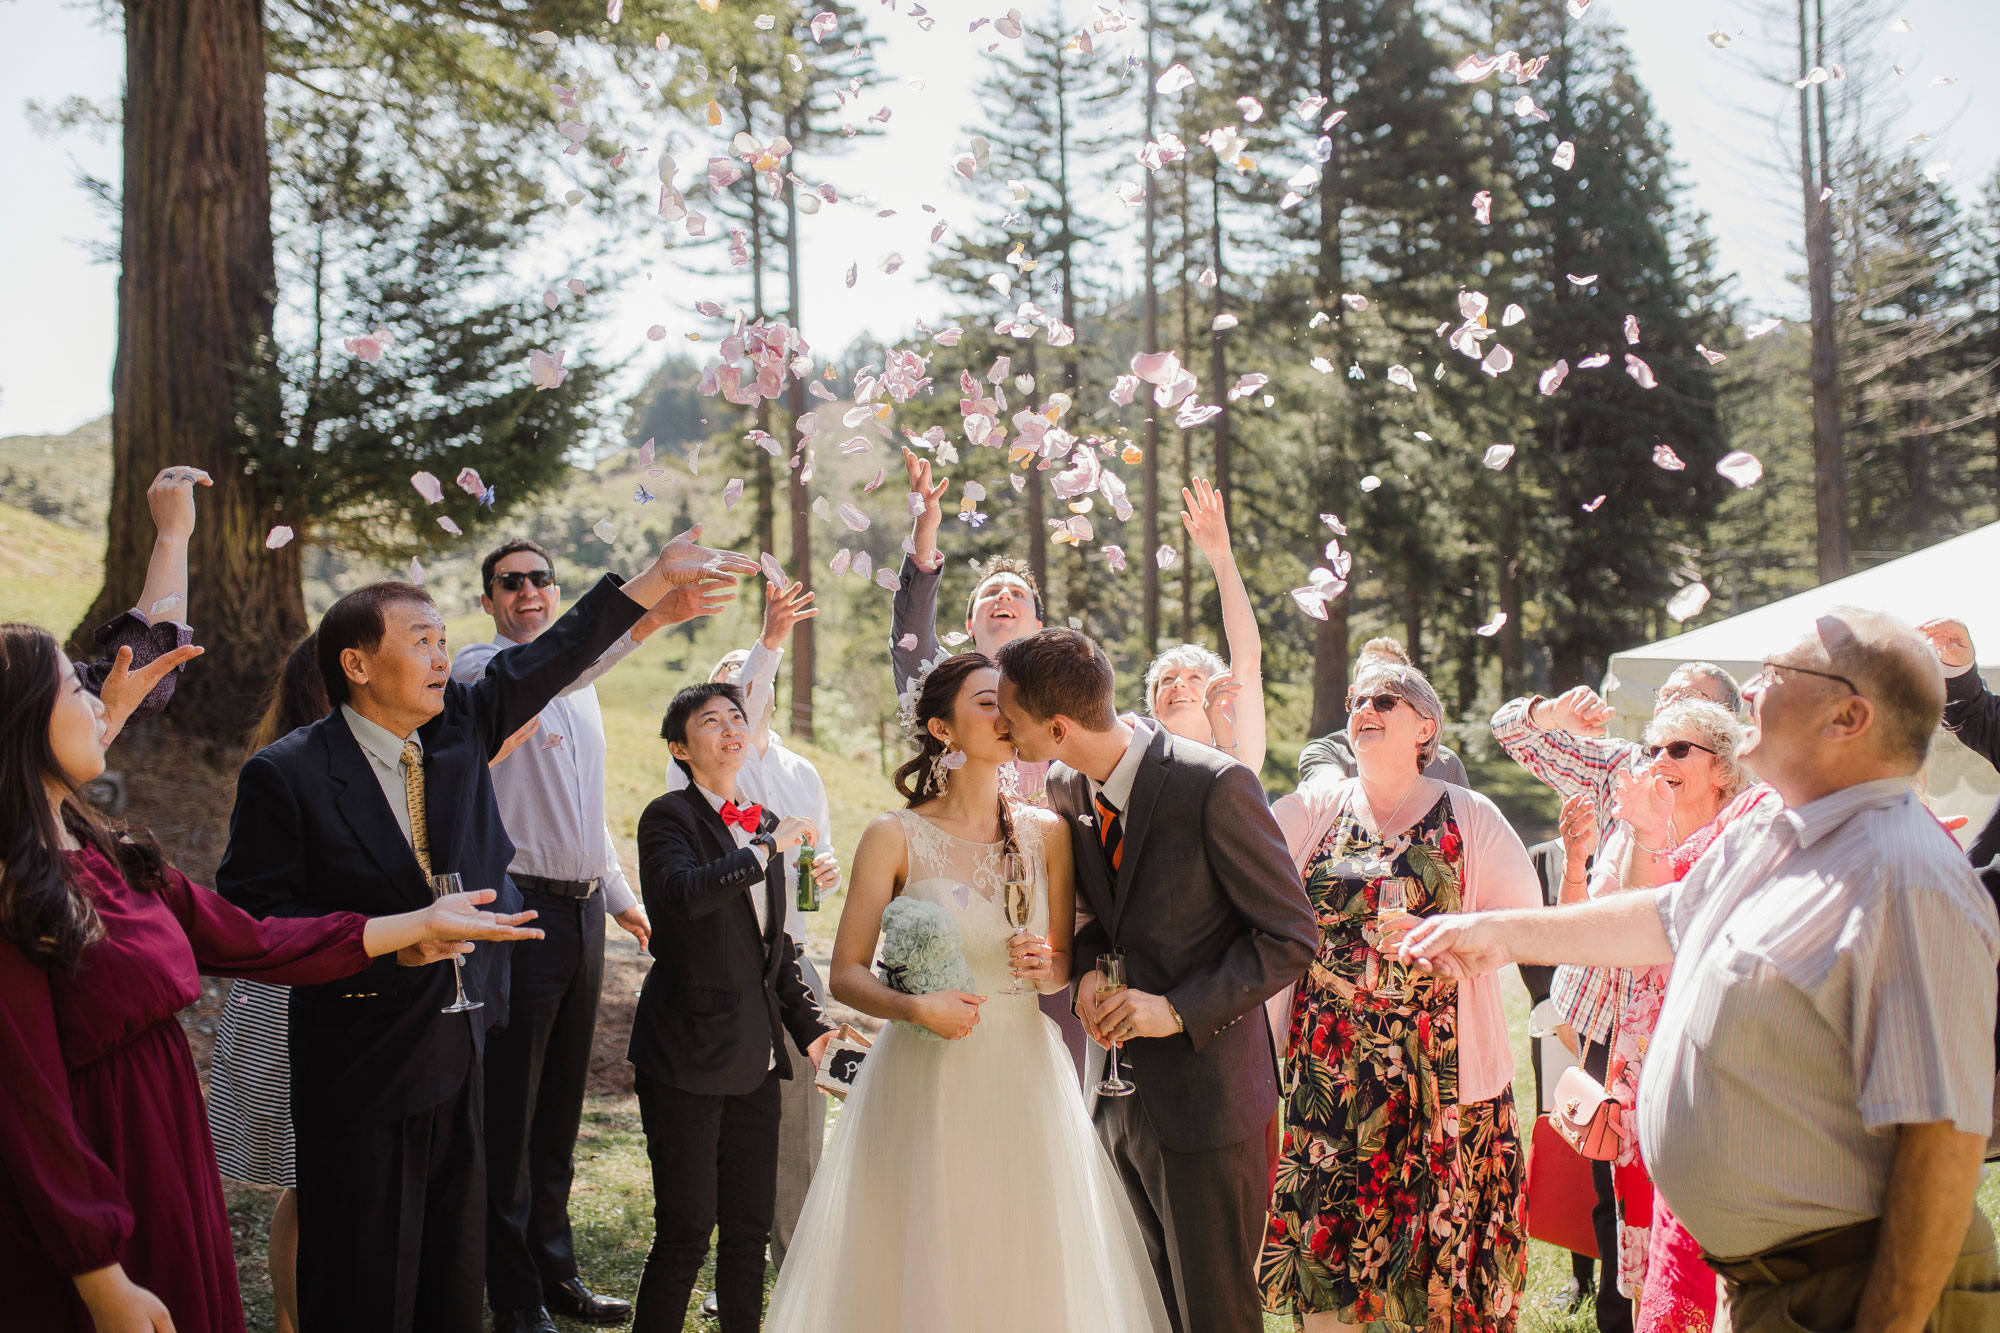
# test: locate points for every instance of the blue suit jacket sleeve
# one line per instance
(520, 681)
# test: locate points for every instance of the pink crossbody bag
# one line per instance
(1587, 1116)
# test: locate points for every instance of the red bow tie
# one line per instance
(746, 818)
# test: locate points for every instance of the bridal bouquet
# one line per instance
(921, 952)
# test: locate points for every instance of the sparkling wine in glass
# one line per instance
(441, 886)
(1391, 903)
(1017, 900)
(1111, 981)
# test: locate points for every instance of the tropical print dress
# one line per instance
(1394, 1206)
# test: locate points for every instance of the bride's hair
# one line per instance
(937, 697)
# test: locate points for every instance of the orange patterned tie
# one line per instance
(413, 793)
(1110, 834)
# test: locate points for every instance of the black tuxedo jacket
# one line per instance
(720, 990)
(1209, 910)
(312, 834)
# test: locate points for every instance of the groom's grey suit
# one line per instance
(1208, 908)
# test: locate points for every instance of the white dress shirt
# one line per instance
(1117, 788)
(551, 789)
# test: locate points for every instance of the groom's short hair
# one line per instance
(1061, 673)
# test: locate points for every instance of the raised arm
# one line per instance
(1238, 721)
(171, 498)
(915, 609)
(1971, 711)
(1553, 739)
(881, 864)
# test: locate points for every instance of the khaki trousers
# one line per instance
(1826, 1302)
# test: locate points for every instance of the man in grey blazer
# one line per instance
(1178, 857)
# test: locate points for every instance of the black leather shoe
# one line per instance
(523, 1321)
(577, 1301)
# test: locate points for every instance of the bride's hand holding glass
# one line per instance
(951, 1014)
(1033, 960)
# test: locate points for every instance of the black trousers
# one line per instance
(1202, 1215)
(536, 1069)
(715, 1170)
(392, 1235)
(1614, 1312)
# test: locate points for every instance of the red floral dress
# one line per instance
(1394, 1206)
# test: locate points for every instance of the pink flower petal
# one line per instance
(841, 560)
(854, 518)
(1493, 626)
(774, 571)
(277, 537)
(1498, 456)
(1741, 468)
(1641, 373)
(1688, 602)
(416, 572)
(1665, 458)
(886, 580)
(444, 521)
(1156, 368)
(732, 492)
(428, 487)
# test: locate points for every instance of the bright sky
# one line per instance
(56, 348)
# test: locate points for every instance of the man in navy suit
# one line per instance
(356, 813)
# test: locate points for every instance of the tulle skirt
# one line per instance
(965, 1190)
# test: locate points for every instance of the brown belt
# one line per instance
(1800, 1259)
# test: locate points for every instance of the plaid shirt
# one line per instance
(1585, 997)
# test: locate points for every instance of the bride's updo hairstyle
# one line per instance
(923, 777)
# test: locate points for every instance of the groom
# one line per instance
(1179, 858)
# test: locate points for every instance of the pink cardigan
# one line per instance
(1497, 874)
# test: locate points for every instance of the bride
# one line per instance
(964, 1189)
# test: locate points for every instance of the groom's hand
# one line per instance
(1086, 1006)
(1134, 1013)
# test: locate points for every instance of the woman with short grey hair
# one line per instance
(1191, 690)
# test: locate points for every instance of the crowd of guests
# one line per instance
(1772, 957)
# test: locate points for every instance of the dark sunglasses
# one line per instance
(1676, 750)
(512, 581)
(1381, 703)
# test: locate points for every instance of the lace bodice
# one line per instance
(965, 879)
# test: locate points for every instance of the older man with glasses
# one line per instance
(1820, 1086)
(1562, 742)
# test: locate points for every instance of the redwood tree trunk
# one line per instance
(195, 294)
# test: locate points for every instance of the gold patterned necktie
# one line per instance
(413, 793)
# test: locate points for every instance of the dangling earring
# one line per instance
(940, 772)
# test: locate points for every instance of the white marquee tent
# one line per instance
(1941, 580)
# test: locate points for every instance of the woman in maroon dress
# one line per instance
(112, 1215)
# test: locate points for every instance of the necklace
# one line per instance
(1383, 826)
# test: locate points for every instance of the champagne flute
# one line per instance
(1018, 900)
(441, 886)
(1111, 982)
(1391, 901)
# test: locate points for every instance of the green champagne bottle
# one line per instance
(808, 886)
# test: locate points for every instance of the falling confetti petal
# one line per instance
(864, 564)
(823, 25)
(428, 487)
(1482, 207)
(1498, 456)
(1632, 330)
(1719, 39)
(1552, 378)
(1713, 358)
(277, 537)
(1511, 316)
(1401, 377)
(1665, 457)
(1593, 506)
(606, 530)
(1311, 601)
(1741, 468)
(1761, 327)
(369, 346)
(1165, 557)
(1493, 626)
(1687, 602)
(1565, 155)
(1498, 361)
(656, 332)
(646, 453)
(732, 492)
(416, 572)
(1641, 373)
(1580, 279)
(1594, 362)
(545, 371)
(886, 579)
(907, 642)
(1174, 80)
(1371, 482)
(640, 495)
(1352, 301)
(854, 518)
(774, 571)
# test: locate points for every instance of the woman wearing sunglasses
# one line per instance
(1673, 804)
(1398, 1197)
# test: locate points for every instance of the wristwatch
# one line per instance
(768, 843)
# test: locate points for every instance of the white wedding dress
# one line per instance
(964, 1190)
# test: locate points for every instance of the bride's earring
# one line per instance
(940, 771)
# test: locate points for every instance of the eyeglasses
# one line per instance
(1770, 674)
(512, 581)
(1381, 703)
(1675, 750)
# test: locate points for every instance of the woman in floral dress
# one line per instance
(1398, 1197)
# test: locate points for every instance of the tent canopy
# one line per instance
(1940, 580)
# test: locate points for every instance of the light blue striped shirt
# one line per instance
(1834, 978)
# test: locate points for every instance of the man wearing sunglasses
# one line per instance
(551, 793)
(1819, 1089)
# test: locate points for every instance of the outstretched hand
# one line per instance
(684, 560)
(706, 596)
(1460, 946)
(1580, 711)
(1202, 515)
(924, 532)
(457, 916)
(784, 608)
(1951, 640)
(171, 500)
(125, 689)
(1646, 802)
